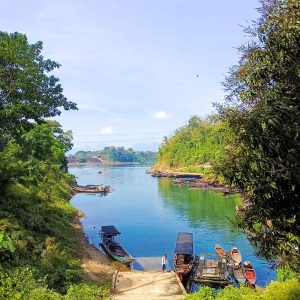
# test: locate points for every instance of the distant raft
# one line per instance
(91, 188)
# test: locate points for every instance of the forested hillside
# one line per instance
(117, 154)
(198, 146)
(38, 259)
(254, 144)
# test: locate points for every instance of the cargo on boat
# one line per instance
(110, 241)
(239, 273)
(183, 254)
(91, 188)
(211, 271)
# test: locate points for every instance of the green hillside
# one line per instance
(117, 154)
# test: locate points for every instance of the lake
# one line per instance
(150, 211)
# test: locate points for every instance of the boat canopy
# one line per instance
(184, 243)
(110, 230)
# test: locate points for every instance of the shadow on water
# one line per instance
(150, 211)
(199, 206)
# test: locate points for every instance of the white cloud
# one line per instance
(96, 108)
(161, 115)
(107, 130)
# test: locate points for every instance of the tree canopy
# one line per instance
(200, 141)
(27, 91)
(262, 109)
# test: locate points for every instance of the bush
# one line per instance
(288, 290)
(21, 284)
(87, 291)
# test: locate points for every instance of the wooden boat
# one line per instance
(183, 257)
(239, 274)
(91, 188)
(212, 271)
(236, 255)
(221, 253)
(109, 236)
(250, 273)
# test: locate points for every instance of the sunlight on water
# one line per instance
(150, 211)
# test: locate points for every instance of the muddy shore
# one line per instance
(95, 264)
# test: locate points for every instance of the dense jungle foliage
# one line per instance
(118, 154)
(288, 290)
(262, 110)
(198, 146)
(255, 142)
(37, 256)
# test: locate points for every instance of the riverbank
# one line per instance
(193, 180)
(106, 163)
(95, 265)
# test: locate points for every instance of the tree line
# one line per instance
(37, 255)
(117, 154)
(253, 140)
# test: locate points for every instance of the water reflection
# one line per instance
(198, 206)
(149, 212)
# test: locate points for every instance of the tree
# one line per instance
(262, 109)
(27, 91)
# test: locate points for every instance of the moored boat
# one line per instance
(109, 236)
(236, 255)
(250, 273)
(221, 253)
(91, 188)
(239, 274)
(183, 257)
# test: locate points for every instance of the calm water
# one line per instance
(150, 211)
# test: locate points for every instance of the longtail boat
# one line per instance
(91, 188)
(239, 274)
(250, 273)
(221, 253)
(183, 254)
(236, 255)
(109, 236)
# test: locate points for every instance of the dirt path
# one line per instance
(154, 285)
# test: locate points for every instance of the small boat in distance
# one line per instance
(90, 188)
(238, 272)
(250, 273)
(236, 255)
(183, 257)
(109, 236)
(221, 253)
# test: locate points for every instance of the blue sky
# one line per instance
(132, 66)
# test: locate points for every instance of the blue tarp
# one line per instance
(184, 243)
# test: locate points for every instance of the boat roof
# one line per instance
(110, 229)
(184, 243)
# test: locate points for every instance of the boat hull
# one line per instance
(121, 259)
(239, 275)
(250, 274)
(220, 252)
(236, 255)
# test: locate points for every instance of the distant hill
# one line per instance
(114, 155)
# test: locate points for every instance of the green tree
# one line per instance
(27, 91)
(262, 110)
